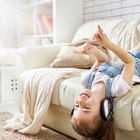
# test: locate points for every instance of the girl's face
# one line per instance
(87, 106)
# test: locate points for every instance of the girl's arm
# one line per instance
(100, 56)
(128, 70)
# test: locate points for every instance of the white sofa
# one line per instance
(126, 34)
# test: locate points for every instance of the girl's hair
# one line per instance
(98, 129)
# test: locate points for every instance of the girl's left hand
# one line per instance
(87, 49)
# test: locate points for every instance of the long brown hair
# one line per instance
(97, 130)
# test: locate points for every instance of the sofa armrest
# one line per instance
(35, 57)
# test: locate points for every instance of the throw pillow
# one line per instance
(67, 58)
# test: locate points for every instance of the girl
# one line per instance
(92, 114)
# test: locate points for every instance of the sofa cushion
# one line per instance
(69, 90)
(136, 110)
(127, 110)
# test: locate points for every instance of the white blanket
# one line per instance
(37, 96)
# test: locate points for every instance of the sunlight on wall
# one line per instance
(7, 23)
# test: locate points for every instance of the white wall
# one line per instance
(93, 10)
(8, 23)
(106, 9)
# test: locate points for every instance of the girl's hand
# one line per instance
(87, 49)
(102, 37)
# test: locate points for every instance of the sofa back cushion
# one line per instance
(88, 29)
(126, 34)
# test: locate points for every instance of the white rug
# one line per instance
(45, 133)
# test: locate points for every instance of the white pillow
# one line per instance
(67, 58)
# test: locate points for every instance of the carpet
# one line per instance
(45, 133)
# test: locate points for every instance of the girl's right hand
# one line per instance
(102, 37)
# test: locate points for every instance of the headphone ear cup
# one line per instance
(105, 109)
